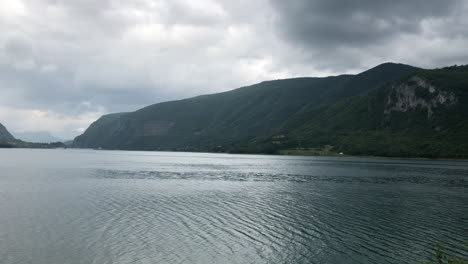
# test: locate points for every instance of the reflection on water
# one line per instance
(70, 206)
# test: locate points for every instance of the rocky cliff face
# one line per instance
(417, 93)
(154, 128)
(5, 136)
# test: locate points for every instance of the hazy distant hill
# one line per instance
(38, 137)
(5, 136)
(224, 121)
(8, 141)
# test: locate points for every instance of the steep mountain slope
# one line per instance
(217, 122)
(422, 114)
(5, 136)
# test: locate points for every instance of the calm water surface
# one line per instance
(83, 206)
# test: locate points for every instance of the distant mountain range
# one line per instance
(390, 110)
(37, 137)
(8, 141)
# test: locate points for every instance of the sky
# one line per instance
(64, 63)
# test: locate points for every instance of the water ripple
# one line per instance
(236, 210)
(454, 178)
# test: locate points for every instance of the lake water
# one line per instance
(84, 206)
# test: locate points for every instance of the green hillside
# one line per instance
(220, 122)
(422, 114)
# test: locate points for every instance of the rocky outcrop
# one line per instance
(417, 93)
(154, 128)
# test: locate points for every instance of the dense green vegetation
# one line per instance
(6, 145)
(358, 125)
(441, 257)
(354, 114)
(23, 144)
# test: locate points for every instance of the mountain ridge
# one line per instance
(422, 114)
(388, 110)
(218, 122)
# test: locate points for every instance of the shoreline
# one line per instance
(265, 154)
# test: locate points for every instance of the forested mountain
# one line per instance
(377, 112)
(421, 114)
(222, 120)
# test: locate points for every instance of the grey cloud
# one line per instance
(343, 36)
(95, 59)
(337, 23)
(18, 47)
(70, 58)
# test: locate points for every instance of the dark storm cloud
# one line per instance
(343, 35)
(335, 23)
